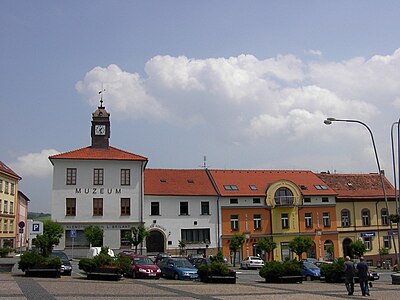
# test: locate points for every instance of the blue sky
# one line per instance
(246, 83)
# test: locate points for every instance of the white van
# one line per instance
(94, 251)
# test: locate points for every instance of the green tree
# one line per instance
(331, 250)
(358, 248)
(137, 235)
(52, 232)
(236, 244)
(267, 244)
(94, 234)
(182, 246)
(300, 244)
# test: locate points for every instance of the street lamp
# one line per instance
(329, 121)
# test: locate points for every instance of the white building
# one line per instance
(97, 185)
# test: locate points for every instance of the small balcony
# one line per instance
(285, 200)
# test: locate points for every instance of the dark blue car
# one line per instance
(177, 268)
(310, 271)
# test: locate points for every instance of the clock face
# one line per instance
(100, 130)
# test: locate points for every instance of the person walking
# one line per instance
(362, 272)
(349, 275)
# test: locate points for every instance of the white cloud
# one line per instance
(314, 52)
(246, 97)
(34, 164)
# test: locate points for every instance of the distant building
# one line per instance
(8, 206)
(22, 216)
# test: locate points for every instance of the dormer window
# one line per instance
(253, 187)
(230, 187)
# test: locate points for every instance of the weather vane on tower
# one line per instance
(101, 96)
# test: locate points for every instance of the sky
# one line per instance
(247, 84)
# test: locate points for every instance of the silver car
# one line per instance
(252, 262)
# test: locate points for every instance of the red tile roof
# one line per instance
(358, 185)
(90, 153)
(243, 179)
(178, 182)
(5, 169)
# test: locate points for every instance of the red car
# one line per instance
(143, 267)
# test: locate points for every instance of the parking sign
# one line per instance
(73, 233)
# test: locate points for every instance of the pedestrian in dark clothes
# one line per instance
(349, 275)
(362, 272)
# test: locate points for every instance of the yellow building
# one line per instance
(8, 206)
(363, 214)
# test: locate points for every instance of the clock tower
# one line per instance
(100, 131)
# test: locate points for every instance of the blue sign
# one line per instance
(367, 234)
(72, 233)
(36, 227)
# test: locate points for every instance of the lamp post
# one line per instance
(329, 121)
(397, 196)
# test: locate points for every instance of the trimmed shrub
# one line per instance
(333, 272)
(30, 259)
(5, 251)
(272, 271)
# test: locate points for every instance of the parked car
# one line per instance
(66, 267)
(143, 267)
(252, 262)
(192, 256)
(372, 275)
(310, 271)
(322, 262)
(177, 268)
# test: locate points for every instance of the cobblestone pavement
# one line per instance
(17, 286)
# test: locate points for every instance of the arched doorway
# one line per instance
(346, 247)
(155, 242)
(327, 245)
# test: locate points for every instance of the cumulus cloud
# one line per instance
(248, 97)
(34, 164)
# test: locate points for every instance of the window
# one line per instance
(283, 196)
(257, 222)
(155, 208)
(345, 216)
(326, 219)
(5, 210)
(234, 222)
(196, 235)
(384, 217)
(1, 185)
(387, 242)
(184, 208)
(5, 226)
(325, 199)
(125, 206)
(97, 206)
(11, 211)
(124, 234)
(80, 240)
(307, 199)
(98, 176)
(70, 205)
(233, 201)
(5, 187)
(321, 187)
(253, 187)
(11, 227)
(125, 176)
(205, 208)
(256, 201)
(308, 220)
(365, 217)
(12, 191)
(231, 187)
(1, 208)
(285, 221)
(71, 176)
(367, 243)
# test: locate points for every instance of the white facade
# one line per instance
(171, 223)
(84, 191)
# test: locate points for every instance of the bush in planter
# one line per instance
(103, 260)
(124, 262)
(333, 272)
(31, 259)
(5, 251)
(272, 271)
